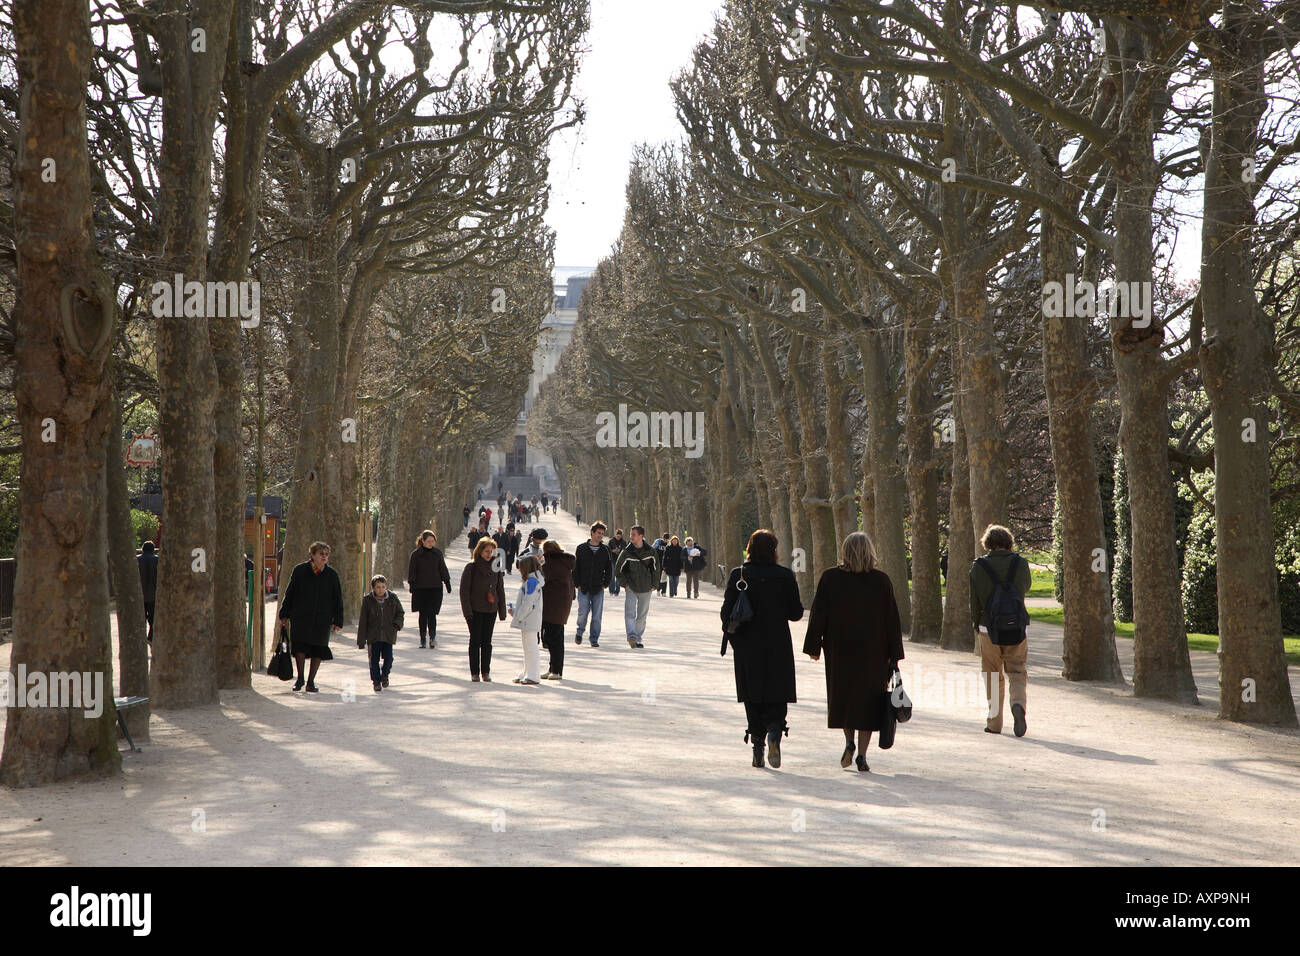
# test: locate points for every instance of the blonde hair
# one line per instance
(482, 545)
(857, 554)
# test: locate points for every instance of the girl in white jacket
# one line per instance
(527, 616)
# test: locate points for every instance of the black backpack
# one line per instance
(1005, 616)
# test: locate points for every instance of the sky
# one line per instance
(634, 49)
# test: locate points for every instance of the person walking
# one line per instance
(313, 608)
(473, 536)
(546, 502)
(660, 543)
(616, 546)
(577, 512)
(466, 513)
(426, 576)
(147, 561)
(695, 564)
(483, 602)
(673, 564)
(526, 614)
(639, 569)
(380, 619)
(854, 619)
(761, 649)
(557, 602)
(999, 582)
(593, 569)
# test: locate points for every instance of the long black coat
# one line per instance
(762, 649)
(854, 620)
(312, 604)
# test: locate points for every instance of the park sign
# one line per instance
(142, 450)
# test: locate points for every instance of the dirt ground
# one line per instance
(637, 758)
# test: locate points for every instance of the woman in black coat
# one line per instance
(855, 619)
(426, 576)
(763, 652)
(674, 563)
(313, 609)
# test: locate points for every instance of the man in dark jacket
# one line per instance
(1008, 661)
(639, 568)
(502, 540)
(591, 575)
(696, 561)
(312, 607)
(148, 562)
(616, 546)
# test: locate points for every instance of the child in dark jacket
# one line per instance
(380, 620)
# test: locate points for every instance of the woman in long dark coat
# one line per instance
(763, 652)
(855, 620)
(426, 576)
(313, 609)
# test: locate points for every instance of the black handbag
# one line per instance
(888, 722)
(741, 612)
(281, 665)
(898, 699)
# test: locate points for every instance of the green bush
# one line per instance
(1200, 574)
(144, 525)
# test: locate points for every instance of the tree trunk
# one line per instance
(958, 632)
(63, 329)
(922, 485)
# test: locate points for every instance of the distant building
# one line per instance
(522, 468)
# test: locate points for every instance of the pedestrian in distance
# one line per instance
(639, 570)
(377, 626)
(999, 582)
(313, 609)
(855, 621)
(616, 546)
(660, 544)
(577, 512)
(147, 561)
(593, 570)
(695, 564)
(427, 576)
(557, 602)
(483, 602)
(466, 513)
(762, 653)
(526, 614)
(674, 563)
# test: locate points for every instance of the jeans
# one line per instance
(764, 717)
(553, 641)
(377, 650)
(613, 584)
(636, 605)
(480, 642)
(595, 604)
(672, 584)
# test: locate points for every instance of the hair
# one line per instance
(762, 546)
(639, 530)
(598, 526)
(378, 579)
(689, 538)
(618, 531)
(528, 564)
(147, 547)
(675, 540)
(551, 546)
(857, 553)
(426, 533)
(482, 545)
(996, 536)
(319, 546)
(664, 535)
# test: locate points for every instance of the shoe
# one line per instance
(1018, 713)
(846, 758)
(578, 639)
(432, 645)
(631, 642)
(594, 644)
(990, 730)
(528, 681)
(517, 680)
(422, 645)
(862, 764)
(486, 679)
(385, 681)
(473, 678)
(774, 748)
(378, 687)
(758, 754)
(298, 686)
(312, 688)
(639, 644)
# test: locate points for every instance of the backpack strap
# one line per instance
(988, 569)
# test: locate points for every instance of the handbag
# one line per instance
(888, 722)
(741, 612)
(898, 699)
(281, 665)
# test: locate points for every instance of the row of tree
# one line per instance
(877, 264)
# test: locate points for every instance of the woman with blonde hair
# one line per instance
(483, 602)
(855, 620)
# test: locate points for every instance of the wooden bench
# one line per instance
(126, 703)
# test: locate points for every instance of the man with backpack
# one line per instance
(999, 582)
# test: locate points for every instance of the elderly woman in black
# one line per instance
(855, 620)
(763, 653)
(313, 609)
(427, 575)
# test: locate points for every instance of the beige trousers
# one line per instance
(1008, 662)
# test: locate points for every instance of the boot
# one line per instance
(758, 747)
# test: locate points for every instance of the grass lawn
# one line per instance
(1197, 642)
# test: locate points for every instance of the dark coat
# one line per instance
(593, 567)
(148, 576)
(697, 563)
(762, 648)
(855, 621)
(673, 561)
(427, 569)
(482, 590)
(312, 604)
(379, 623)
(558, 591)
